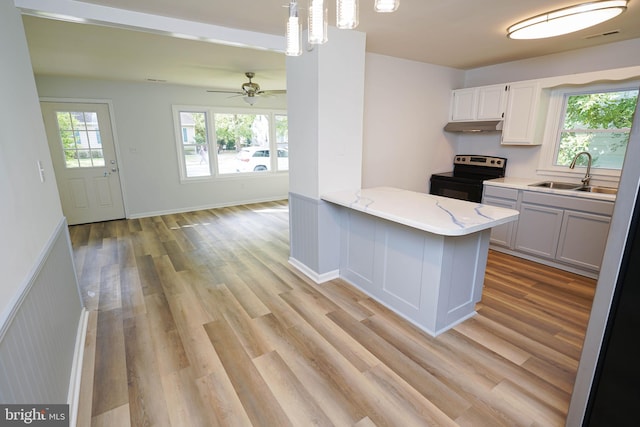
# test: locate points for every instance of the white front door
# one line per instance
(84, 159)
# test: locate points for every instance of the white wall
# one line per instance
(523, 161)
(610, 274)
(325, 99)
(406, 107)
(29, 209)
(604, 57)
(148, 158)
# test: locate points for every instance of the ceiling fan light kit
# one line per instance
(567, 20)
(347, 17)
(250, 99)
(250, 91)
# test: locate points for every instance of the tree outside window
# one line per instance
(80, 138)
(194, 148)
(245, 142)
(599, 123)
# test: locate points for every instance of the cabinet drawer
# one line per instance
(600, 207)
(502, 192)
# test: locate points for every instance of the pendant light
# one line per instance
(294, 33)
(317, 22)
(347, 14)
(567, 20)
(385, 6)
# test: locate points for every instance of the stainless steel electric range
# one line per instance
(469, 172)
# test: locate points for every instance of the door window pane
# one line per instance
(195, 146)
(80, 138)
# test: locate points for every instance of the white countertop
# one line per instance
(525, 184)
(435, 214)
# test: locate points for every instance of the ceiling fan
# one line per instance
(250, 90)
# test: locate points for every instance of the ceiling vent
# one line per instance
(608, 33)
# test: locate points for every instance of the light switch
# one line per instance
(41, 171)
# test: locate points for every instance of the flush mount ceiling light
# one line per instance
(567, 20)
(346, 18)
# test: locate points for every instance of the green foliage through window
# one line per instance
(213, 142)
(598, 123)
(234, 131)
(195, 149)
(80, 137)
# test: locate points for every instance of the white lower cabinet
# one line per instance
(564, 231)
(583, 239)
(538, 230)
(503, 234)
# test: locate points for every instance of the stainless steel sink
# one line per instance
(557, 185)
(595, 189)
(575, 187)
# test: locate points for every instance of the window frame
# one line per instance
(555, 119)
(210, 112)
(179, 138)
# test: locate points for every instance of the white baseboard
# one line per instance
(205, 207)
(318, 278)
(76, 369)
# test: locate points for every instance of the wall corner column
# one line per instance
(325, 103)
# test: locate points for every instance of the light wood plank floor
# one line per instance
(197, 319)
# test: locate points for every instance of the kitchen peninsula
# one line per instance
(423, 256)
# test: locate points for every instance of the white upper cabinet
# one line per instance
(478, 103)
(523, 121)
(491, 102)
(464, 104)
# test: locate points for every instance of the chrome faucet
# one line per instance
(587, 175)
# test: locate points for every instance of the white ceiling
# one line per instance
(455, 33)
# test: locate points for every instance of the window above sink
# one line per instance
(595, 118)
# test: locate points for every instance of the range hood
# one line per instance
(475, 126)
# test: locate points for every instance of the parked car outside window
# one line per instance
(256, 159)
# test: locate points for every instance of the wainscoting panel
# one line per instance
(38, 337)
(303, 230)
(314, 235)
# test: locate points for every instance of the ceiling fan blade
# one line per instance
(226, 91)
(272, 92)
